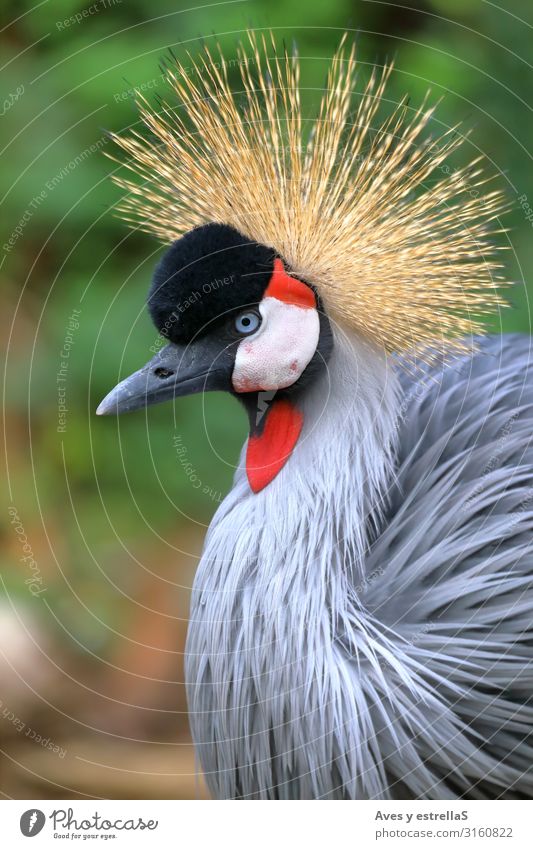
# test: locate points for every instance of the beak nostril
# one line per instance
(163, 372)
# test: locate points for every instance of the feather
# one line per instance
(376, 639)
(348, 200)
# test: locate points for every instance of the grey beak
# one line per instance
(174, 371)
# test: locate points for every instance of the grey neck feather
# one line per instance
(277, 585)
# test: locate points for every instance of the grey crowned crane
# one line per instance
(362, 615)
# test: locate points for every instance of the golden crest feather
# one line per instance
(352, 208)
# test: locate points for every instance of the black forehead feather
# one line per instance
(210, 271)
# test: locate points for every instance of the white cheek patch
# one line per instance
(275, 356)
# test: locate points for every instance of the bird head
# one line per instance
(235, 320)
(280, 227)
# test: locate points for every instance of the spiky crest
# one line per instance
(350, 204)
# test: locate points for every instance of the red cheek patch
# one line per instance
(289, 290)
(268, 451)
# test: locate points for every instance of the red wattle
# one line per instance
(268, 451)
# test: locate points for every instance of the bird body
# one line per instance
(361, 617)
(366, 632)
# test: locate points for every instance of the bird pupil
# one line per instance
(246, 321)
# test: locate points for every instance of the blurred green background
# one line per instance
(110, 515)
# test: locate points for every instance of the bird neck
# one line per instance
(275, 597)
(325, 503)
(345, 455)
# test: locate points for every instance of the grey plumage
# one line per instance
(362, 628)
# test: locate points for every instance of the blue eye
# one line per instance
(247, 322)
